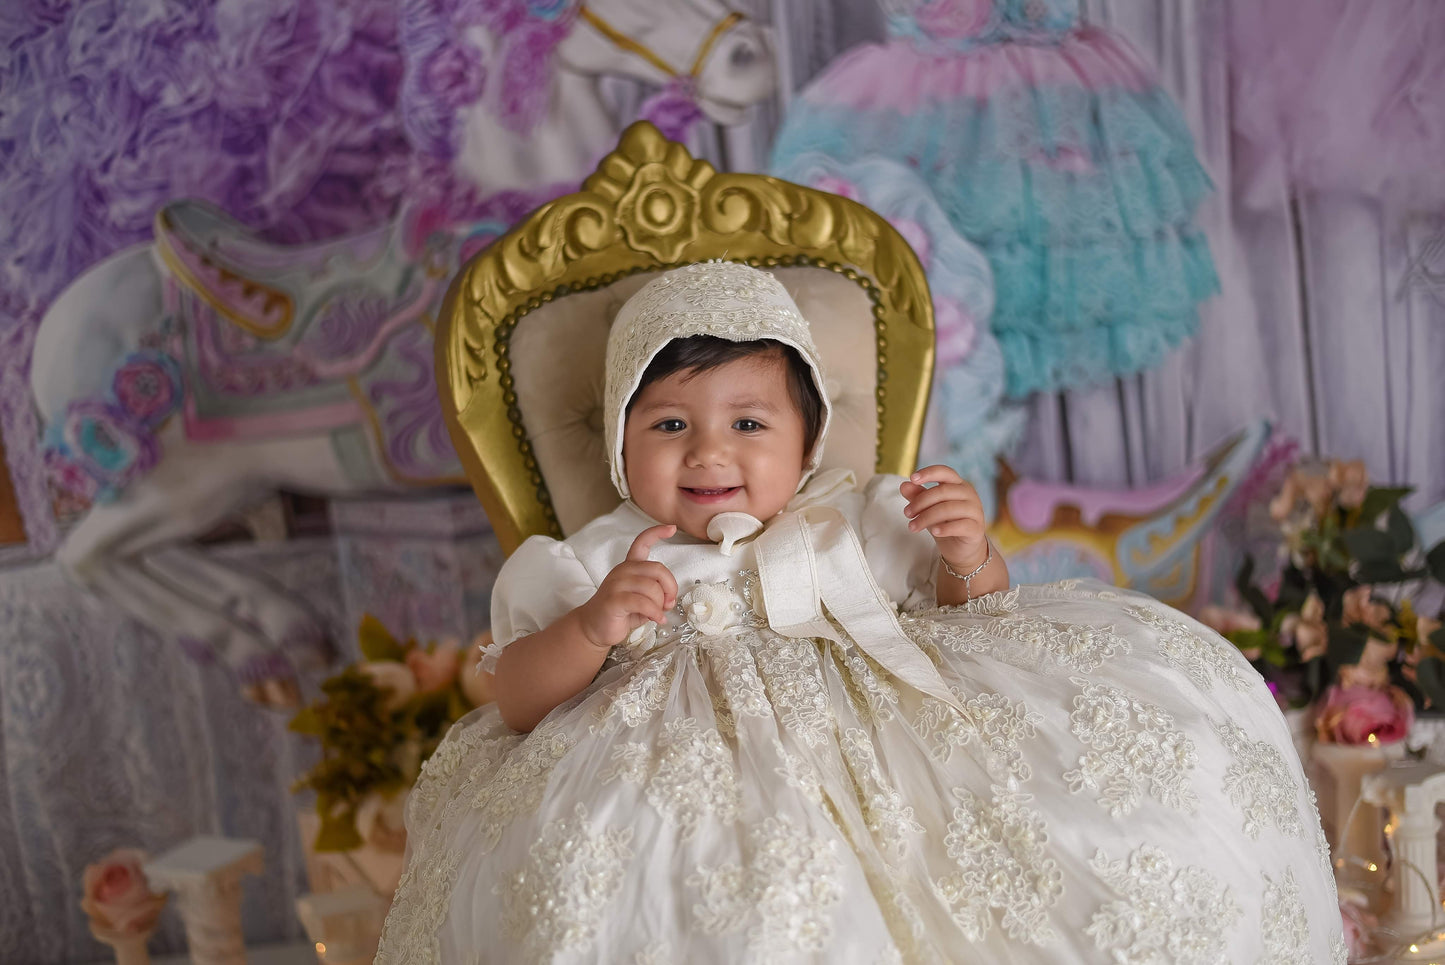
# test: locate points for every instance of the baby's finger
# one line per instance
(936, 473)
(649, 538)
(642, 605)
(645, 585)
(944, 492)
(943, 513)
(910, 489)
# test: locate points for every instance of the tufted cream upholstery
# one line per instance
(557, 366)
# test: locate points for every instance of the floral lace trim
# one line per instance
(556, 900)
(690, 777)
(1135, 749)
(796, 688)
(637, 698)
(869, 690)
(787, 889)
(1202, 659)
(1079, 647)
(1166, 915)
(736, 671)
(998, 725)
(1285, 927)
(1257, 784)
(934, 635)
(798, 774)
(1001, 849)
(517, 785)
(887, 817)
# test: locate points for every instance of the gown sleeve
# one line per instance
(904, 563)
(540, 583)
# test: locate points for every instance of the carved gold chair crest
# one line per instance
(523, 332)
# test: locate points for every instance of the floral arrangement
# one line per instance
(117, 898)
(378, 721)
(1337, 625)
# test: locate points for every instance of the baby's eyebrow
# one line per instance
(763, 404)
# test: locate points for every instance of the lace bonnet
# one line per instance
(719, 298)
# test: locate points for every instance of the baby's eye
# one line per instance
(671, 425)
(747, 425)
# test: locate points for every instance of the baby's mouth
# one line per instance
(710, 494)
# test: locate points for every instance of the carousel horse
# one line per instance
(182, 380)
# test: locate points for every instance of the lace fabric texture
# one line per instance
(730, 793)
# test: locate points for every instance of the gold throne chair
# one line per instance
(523, 332)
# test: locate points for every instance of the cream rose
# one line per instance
(709, 608)
(392, 678)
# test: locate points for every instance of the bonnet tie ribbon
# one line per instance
(811, 566)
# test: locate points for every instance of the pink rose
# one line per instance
(1227, 619)
(1353, 715)
(1361, 607)
(836, 185)
(435, 669)
(1350, 480)
(392, 678)
(117, 896)
(1359, 924)
(1281, 507)
(1307, 629)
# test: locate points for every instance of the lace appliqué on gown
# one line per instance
(1165, 915)
(795, 685)
(784, 895)
(516, 787)
(1135, 749)
(1001, 848)
(690, 778)
(993, 722)
(1202, 659)
(1283, 922)
(557, 899)
(1077, 646)
(890, 821)
(1258, 784)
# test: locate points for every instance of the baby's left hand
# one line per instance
(951, 512)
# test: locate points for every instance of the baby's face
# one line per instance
(728, 440)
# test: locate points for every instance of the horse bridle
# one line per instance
(624, 42)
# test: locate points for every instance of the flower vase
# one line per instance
(1354, 828)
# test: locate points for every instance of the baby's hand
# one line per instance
(951, 512)
(636, 591)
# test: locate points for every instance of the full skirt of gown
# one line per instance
(1116, 784)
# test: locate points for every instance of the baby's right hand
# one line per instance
(637, 590)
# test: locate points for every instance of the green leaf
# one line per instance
(376, 640)
(1401, 530)
(1435, 560)
(1437, 639)
(1250, 593)
(307, 721)
(1430, 678)
(1346, 645)
(1369, 545)
(1382, 571)
(1379, 499)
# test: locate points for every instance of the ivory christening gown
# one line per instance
(793, 770)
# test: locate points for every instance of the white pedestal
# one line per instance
(1340, 769)
(205, 873)
(345, 925)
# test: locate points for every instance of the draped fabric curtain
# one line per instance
(1331, 323)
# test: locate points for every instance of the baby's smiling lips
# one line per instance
(712, 494)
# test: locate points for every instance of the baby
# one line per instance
(762, 713)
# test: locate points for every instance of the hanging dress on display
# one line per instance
(1050, 145)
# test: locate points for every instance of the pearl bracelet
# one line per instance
(967, 578)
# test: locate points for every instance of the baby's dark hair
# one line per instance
(699, 353)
